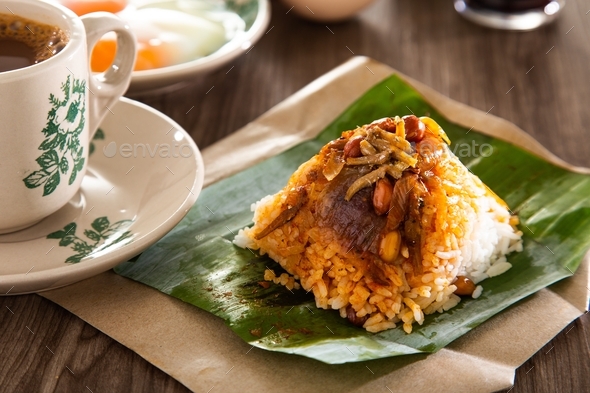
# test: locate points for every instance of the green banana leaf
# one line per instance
(197, 262)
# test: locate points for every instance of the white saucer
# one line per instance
(144, 176)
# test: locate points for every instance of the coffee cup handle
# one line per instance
(106, 88)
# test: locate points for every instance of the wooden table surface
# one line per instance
(538, 80)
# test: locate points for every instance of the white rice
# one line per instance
(483, 253)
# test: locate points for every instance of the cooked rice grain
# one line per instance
(469, 233)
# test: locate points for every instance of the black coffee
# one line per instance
(509, 5)
(24, 42)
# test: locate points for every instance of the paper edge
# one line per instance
(441, 103)
(507, 131)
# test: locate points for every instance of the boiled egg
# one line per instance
(168, 32)
(164, 37)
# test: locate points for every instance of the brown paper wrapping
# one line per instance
(197, 349)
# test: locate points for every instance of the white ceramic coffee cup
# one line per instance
(49, 111)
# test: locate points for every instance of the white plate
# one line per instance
(256, 13)
(143, 177)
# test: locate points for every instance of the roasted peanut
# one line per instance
(386, 124)
(390, 246)
(465, 286)
(337, 144)
(382, 196)
(414, 128)
(353, 147)
(352, 318)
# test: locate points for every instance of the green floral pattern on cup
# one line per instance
(99, 135)
(102, 235)
(61, 148)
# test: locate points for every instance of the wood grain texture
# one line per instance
(47, 349)
(538, 80)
